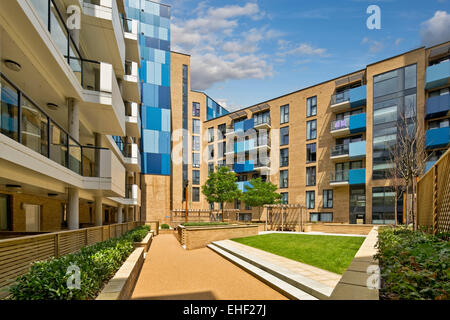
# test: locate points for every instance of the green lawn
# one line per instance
(332, 253)
(204, 224)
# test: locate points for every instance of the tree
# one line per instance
(221, 187)
(408, 157)
(260, 193)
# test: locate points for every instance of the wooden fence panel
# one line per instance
(71, 241)
(94, 235)
(425, 199)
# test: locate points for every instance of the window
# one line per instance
(310, 199)
(284, 197)
(196, 126)
(311, 106)
(311, 130)
(211, 152)
(321, 216)
(284, 114)
(311, 176)
(328, 199)
(195, 143)
(210, 134)
(284, 157)
(262, 117)
(196, 109)
(383, 206)
(210, 167)
(5, 213)
(438, 124)
(196, 177)
(284, 179)
(196, 160)
(284, 136)
(237, 204)
(222, 130)
(195, 194)
(211, 206)
(311, 153)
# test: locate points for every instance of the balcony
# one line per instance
(339, 178)
(130, 153)
(241, 127)
(31, 139)
(351, 98)
(357, 176)
(132, 119)
(263, 145)
(357, 150)
(262, 124)
(438, 106)
(102, 32)
(437, 138)
(131, 86)
(242, 184)
(339, 152)
(243, 146)
(438, 75)
(130, 28)
(263, 167)
(247, 166)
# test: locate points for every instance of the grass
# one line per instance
(204, 224)
(332, 253)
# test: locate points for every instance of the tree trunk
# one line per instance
(414, 205)
(395, 206)
(406, 204)
(223, 212)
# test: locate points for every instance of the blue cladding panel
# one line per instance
(249, 124)
(438, 106)
(437, 138)
(213, 109)
(357, 123)
(247, 166)
(239, 126)
(357, 150)
(438, 75)
(358, 96)
(357, 176)
(241, 185)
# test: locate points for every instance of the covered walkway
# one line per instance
(170, 272)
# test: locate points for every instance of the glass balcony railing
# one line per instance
(22, 120)
(260, 121)
(340, 97)
(340, 124)
(438, 74)
(340, 150)
(339, 176)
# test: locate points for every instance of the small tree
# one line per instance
(221, 187)
(260, 193)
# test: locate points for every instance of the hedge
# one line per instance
(414, 265)
(47, 280)
(204, 224)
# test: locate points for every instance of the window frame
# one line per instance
(283, 114)
(310, 107)
(309, 199)
(326, 199)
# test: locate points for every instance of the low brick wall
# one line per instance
(354, 281)
(200, 237)
(339, 228)
(145, 243)
(154, 225)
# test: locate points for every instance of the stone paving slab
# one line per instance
(310, 279)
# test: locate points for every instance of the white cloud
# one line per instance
(374, 45)
(436, 29)
(398, 41)
(302, 49)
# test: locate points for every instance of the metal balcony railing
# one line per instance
(340, 150)
(340, 124)
(340, 97)
(339, 176)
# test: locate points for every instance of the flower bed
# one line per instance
(47, 280)
(414, 265)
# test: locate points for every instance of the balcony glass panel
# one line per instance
(340, 124)
(75, 156)
(9, 111)
(34, 127)
(58, 145)
(339, 176)
(41, 8)
(340, 150)
(438, 75)
(91, 75)
(89, 161)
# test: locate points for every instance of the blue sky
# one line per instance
(245, 52)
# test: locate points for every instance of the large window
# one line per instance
(321, 216)
(210, 167)
(284, 179)
(5, 213)
(310, 199)
(196, 177)
(222, 128)
(195, 126)
(383, 202)
(328, 199)
(284, 197)
(311, 106)
(357, 204)
(311, 153)
(284, 157)
(311, 130)
(195, 194)
(196, 160)
(210, 134)
(284, 136)
(284, 114)
(195, 143)
(262, 117)
(311, 176)
(211, 152)
(196, 109)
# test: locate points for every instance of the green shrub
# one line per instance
(165, 226)
(47, 280)
(204, 224)
(414, 264)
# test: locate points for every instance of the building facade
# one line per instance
(69, 116)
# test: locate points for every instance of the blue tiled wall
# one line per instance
(154, 40)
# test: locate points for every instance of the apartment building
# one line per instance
(70, 123)
(325, 146)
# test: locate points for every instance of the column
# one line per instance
(98, 145)
(73, 118)
(98, 211)
(120, 214)
(73, 209)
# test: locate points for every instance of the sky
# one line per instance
(248, 51)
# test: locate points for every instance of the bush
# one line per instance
(414, 264)
(47, 280)
(165, 226)
(204, 224)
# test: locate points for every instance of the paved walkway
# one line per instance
(172, 273)
(325, 277)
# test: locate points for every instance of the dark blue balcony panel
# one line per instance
(249, 124)
(358, 96)
(438, 106)
(438, 75)
(357, 123)
(241, 185)
(357, 176)
(239, 126)
(437, 138)
(247, 166)
(357, 150)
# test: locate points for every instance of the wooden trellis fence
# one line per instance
(285, 217)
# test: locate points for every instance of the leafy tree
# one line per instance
(221, 187)
(260, 193)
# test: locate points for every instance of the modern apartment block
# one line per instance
(70, 123)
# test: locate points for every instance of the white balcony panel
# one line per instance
(133, 53)
(130, 90)
(133, 121)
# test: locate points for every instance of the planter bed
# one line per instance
(145, 243)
